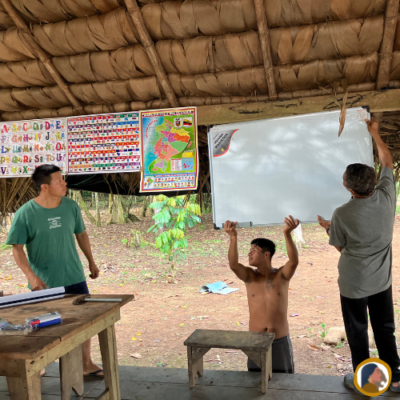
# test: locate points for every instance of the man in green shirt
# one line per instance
(46, 225)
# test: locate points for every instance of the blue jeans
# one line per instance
(77, 288)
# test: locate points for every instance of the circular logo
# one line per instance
(372, 377)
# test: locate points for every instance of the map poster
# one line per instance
(103, 143)
(24, 145)
(169, 150)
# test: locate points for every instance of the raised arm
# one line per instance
(242, 272)
(22, 262)
(384, 154)
(289, 268)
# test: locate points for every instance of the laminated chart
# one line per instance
(168, 143)
(24, 145)
(103, 143)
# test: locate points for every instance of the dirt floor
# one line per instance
(154, 326)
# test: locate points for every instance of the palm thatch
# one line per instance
(68, 57)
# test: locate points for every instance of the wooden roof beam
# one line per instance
(265, 42)
(39, 53)
(386, 52)
(148, 44)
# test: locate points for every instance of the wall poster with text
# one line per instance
(24, 145)
(103, 143)
(169, 149)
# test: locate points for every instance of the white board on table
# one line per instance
(262, 171)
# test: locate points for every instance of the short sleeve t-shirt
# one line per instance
(48, 234)
(364, 230)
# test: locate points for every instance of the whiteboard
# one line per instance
(262, 171)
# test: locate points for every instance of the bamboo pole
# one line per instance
(265, 42)
(30, 42)
(386, 52)
(148, 44)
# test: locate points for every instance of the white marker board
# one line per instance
(262, 171)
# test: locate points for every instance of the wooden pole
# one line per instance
(265, 42)
(39, 53)
(148, 45)
(386, 52)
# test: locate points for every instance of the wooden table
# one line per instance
(23, 357)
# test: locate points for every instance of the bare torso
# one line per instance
(268, 303)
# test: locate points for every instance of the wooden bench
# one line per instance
(256, 345)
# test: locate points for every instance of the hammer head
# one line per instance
(80, 300)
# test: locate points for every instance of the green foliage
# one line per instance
(174, 217)
(5, 246)
(324, 331)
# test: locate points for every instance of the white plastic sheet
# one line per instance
(264, 170)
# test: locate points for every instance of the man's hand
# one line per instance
(94, 271)
(323, 223)
(373, 127)
(230, 228)
(290, 224)
(37, 283)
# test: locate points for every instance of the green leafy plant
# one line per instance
(5, 246)
(340, 345)
(324, 331)
(173, 218)
(309, 330)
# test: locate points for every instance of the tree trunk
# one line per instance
(117, 212)
(83, 207)
(110, 203)
(98, 216)
(144, 209)
(93, 199)
(131, 217)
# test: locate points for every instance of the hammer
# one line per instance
(85, 299)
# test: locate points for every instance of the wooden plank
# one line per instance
(108, 347)
(191, 368)
(75, 320)
(25, 388)
(220, 339)
(71, 373)
(385, 100)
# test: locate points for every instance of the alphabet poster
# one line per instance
(103, 143)
(169, 149)
(24, 145)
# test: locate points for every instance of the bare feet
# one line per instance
(42, 372)
(91, 368)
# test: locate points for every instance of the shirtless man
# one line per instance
(267, 291)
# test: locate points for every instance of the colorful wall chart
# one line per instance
(24, 145)
(168, 142)
(103, 143)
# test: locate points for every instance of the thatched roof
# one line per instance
(71, 57)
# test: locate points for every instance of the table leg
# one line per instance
(108, 347)
(24, 387)
(71, 373)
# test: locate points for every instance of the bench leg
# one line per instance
(71, 373)
(266, 369)
(200, 367)
(191, 368)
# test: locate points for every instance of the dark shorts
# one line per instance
(77, 288)
(282, 357)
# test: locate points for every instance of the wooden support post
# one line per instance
(265, 42)
(24, 387)
(30, 42)
(386, 51)
(71, 373)
(148, 45)
(108, 347)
